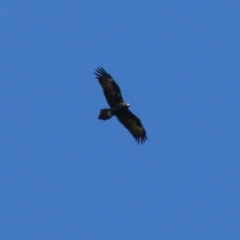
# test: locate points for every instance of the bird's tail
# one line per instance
(105, 114)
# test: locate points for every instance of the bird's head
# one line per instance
(123, 105)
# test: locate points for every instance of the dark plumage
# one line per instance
(118, 107)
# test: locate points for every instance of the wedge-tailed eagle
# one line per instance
(118, 107)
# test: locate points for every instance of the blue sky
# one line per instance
(66, 175)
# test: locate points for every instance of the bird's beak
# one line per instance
(127, 104)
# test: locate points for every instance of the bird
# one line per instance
(118, 107)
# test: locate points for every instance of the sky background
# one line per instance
(66, 175)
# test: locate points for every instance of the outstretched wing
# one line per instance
(111, 90)
(133, 124)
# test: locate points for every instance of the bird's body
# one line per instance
(118, 107)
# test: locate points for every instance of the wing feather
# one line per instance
(111, 90)
(133, 124)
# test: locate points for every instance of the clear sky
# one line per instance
(66, 175)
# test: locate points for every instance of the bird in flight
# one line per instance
(118, 107)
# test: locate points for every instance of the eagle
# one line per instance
(118, 107)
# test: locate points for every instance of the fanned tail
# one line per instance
(105, 114)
